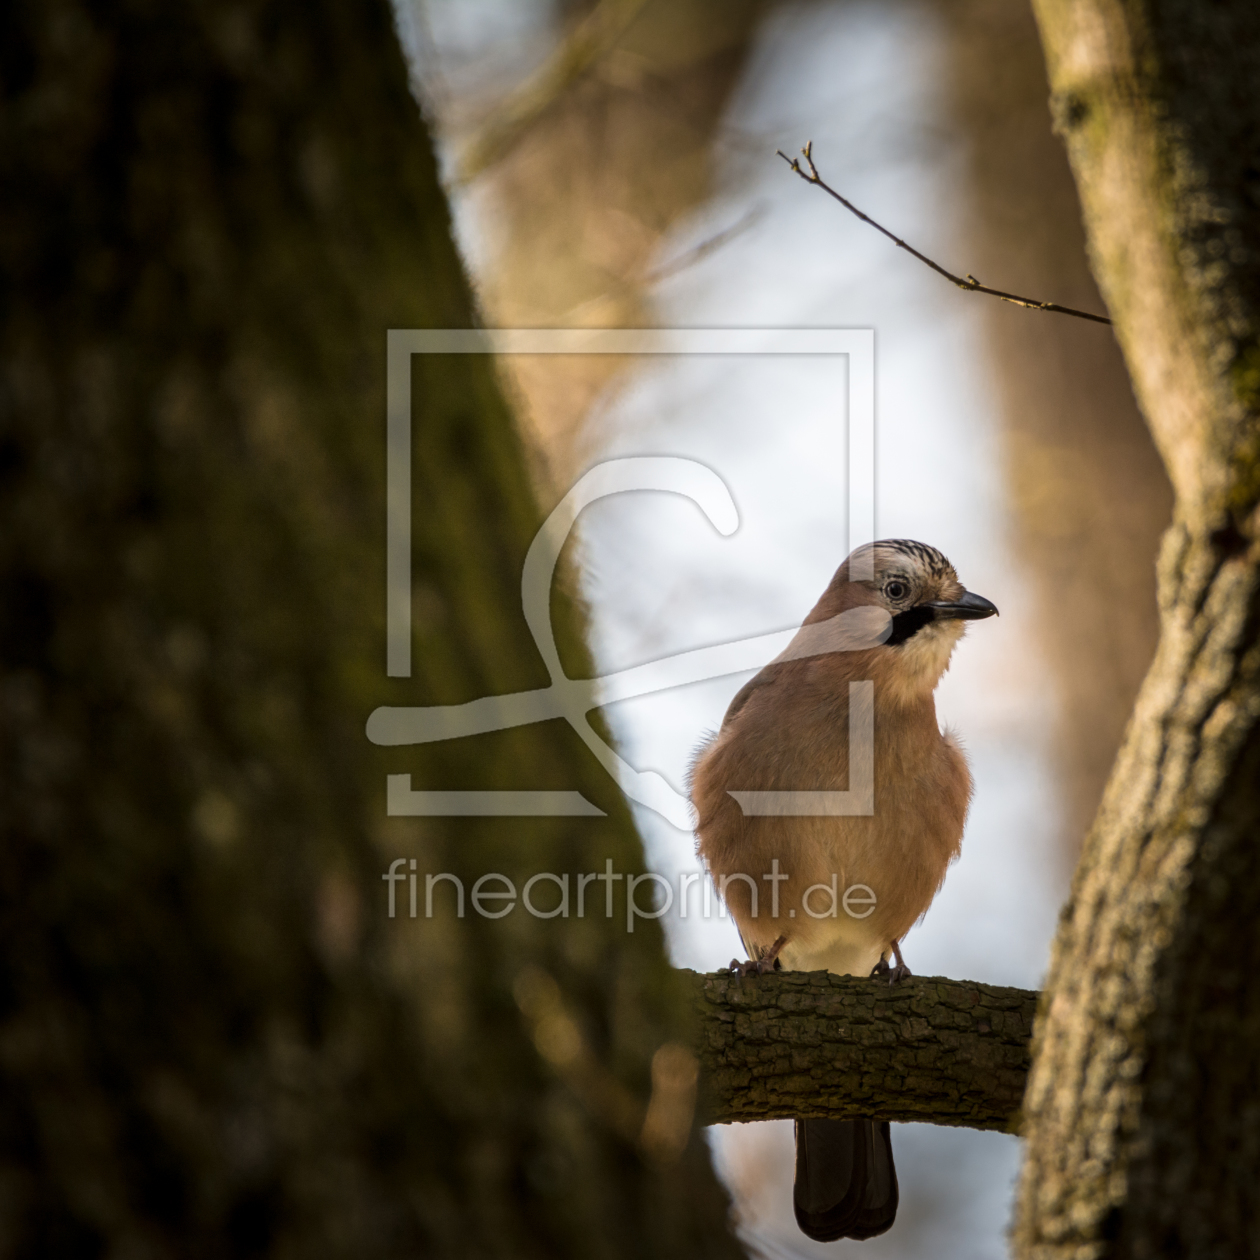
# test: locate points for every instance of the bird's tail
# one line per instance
(846, 1184)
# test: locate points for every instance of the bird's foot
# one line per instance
(900, 971)
(769, 961)
(894, 973)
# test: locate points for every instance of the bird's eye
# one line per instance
(895, 590)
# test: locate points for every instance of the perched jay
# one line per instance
(784, 874)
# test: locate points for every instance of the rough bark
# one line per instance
(1145, 1088)
(212, 1039)
(927, 1049)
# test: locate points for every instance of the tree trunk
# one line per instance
(213, 1039)
(928, 1049)
(1142, 1102)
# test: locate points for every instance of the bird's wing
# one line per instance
(764, 678)
(853, 630)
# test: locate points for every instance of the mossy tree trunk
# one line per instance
(213, 1040)
(1142, 1103)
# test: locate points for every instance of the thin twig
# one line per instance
(970, 283)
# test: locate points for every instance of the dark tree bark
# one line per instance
(212, 1039)
(928, 1049)
(1142, 1102)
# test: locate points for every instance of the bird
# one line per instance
(890, 618)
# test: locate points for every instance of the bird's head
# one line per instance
(929, 607)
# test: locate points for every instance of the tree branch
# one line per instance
(795, 1043)
(970, 283)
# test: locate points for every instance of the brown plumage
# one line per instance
(787, 730)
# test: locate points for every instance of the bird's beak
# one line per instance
(970, 607)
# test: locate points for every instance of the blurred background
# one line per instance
(612, 164)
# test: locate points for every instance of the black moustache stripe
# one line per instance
(907, 624)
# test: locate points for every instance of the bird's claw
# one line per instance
(769, 961)
(894, 974)
(754, 966)
(900, 971)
